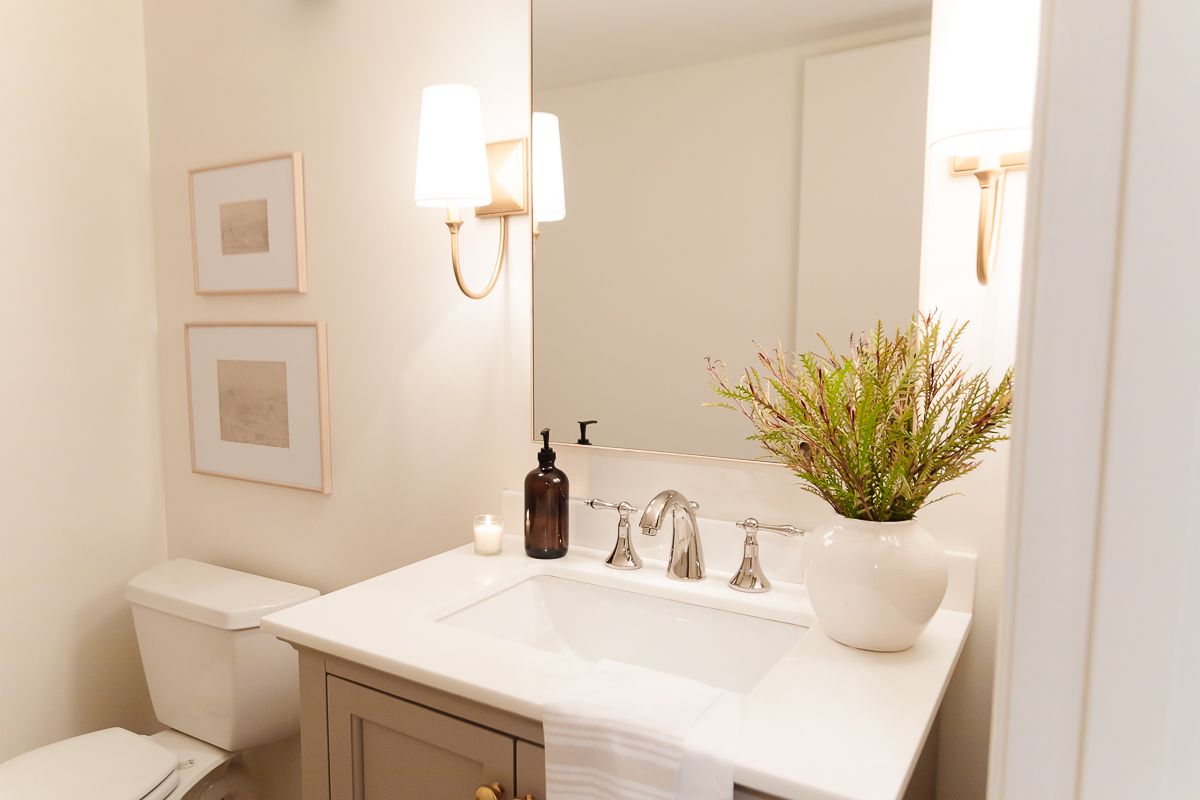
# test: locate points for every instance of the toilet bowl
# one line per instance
(219, 682)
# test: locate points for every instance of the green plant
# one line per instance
(873, 433)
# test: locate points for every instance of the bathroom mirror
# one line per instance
(733, 172)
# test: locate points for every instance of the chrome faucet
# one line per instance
(687, 557)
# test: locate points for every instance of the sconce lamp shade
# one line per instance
(549, 197)
(983, 69)
(452, 166)
(987, 145)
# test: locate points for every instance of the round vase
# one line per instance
(874, 585)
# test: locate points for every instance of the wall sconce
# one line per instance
(549, 197)
(456, 169)
(993, 155)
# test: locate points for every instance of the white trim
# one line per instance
(1072, 239)
(1140, 703)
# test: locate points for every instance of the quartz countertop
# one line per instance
(827, 721)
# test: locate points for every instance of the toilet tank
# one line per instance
(212, 673)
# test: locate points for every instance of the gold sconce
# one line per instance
(455, 169)
(992, 175)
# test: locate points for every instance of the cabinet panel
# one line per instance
(384, 748)
(531, 770)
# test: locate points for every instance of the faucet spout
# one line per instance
(687, 556)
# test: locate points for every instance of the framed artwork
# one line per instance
(248, 226)
(258, 402)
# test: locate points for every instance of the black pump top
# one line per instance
(545, 455)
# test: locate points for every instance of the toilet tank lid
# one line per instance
(216, 596)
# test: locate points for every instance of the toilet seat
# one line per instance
(111, 764)
(164, 789)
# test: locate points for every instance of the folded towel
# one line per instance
(637, 734)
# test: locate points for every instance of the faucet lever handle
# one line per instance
(750, 576)
(622, 555)
(752, 526)
(623, 508)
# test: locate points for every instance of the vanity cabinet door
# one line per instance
(531, 770)
(385, 748)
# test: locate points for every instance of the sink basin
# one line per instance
(721, 648)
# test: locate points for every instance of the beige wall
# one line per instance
(82, 495)
(423, 398)
(430, 391)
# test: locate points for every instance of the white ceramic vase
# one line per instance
(874, 585)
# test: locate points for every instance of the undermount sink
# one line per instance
(721, 648)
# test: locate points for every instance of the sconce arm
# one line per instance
(453, 222)
(991, 207)
(991, 203)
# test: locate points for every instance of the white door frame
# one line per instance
(1100, 264)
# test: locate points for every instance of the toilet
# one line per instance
(218, 681)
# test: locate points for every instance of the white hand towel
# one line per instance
(638, 734)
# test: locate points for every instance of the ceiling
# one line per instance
(576, 41)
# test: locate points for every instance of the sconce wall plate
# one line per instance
(992, 178)
(509, 170)
(508, 165)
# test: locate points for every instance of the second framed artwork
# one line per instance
(248, 226)
(258, 402)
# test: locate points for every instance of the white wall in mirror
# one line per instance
(766, 197)
(579, 42)
(861, 179)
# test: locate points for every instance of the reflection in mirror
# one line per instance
(729, 177)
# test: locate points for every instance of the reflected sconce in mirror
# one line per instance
(549, 196)
(983, 72)
(991, 156)
(456, 169)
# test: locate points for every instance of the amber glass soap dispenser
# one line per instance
(546, 493)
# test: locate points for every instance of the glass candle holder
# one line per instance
(488, 530)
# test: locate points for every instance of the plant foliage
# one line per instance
(873, 433)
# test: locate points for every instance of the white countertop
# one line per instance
(828, 721)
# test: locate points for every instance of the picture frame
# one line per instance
(248, 227)
(258, 402)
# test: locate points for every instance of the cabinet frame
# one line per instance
(316, 752)
(352, 706)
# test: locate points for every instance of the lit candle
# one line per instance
(488, 530)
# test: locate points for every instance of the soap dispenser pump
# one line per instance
(546, 493)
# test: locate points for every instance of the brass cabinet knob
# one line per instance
(493, 791)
